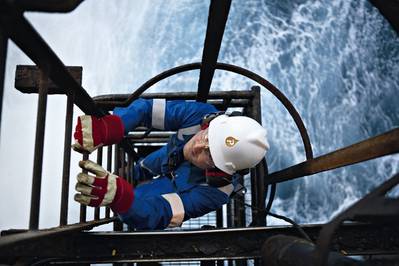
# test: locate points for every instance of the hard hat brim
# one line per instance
(216, 140)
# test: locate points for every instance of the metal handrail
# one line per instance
(231, 68)
(8, 241)
(374, 147)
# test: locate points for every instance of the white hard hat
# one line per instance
(236, 142)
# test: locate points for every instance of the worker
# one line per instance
(189, 177)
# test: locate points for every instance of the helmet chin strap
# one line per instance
(217, 178)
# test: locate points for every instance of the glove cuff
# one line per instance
(113, 129)
(124, 196)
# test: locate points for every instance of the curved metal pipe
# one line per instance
(238, 70)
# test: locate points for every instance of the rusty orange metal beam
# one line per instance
(378, 146)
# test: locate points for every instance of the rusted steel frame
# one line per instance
(38, 153)
(226, 103)
(232, 243)
(174, 96)
(258, 187)
(66, 161)
(22, 33)
(16, 241)
(259, 213)
(62, 6)
(3, 57)
(220, 104)
(26, 76)
(375, 207)
(99, 162)
(239, 208)
(238, 70)
(219, 218)
(109, 169)
(129, 169)
(229, 214)
(83, 208)
(254, 196)
(122, 161)
(149, 140)
(262, 166)
(384, 144)
(118, 226)
(217, 19)
(140, 131)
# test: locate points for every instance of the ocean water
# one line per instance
(336, 61)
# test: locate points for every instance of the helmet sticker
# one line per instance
(230, 141)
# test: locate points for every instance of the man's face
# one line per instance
(196, 150)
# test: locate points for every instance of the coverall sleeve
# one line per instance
(150, 166)
(171, 209)
(204, 199)
(148, 213)
(162, 114)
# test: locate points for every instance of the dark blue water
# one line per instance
(337, 61)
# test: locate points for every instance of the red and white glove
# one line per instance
(92, 132)
(103, 189)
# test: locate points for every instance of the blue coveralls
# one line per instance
(164, 201)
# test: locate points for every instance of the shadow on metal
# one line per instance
(376, 208)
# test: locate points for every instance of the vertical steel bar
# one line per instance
(109, 169)
(219, 224)
(254, 196)
(239, 218)
(261, 169)
(229, 214)
(122, 164)
(83, 208)
(207, 263)
(117, 161)
(239, 200)
(129, 169)
(3, 57)
(99, 162)
(117, 165)
(253, 171)
(239, 208)
(67, 161)
(38, 158)
(219, 218)
(217, 19)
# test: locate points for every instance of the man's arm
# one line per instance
(93, 132)
(171, 209)
(162, 114)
